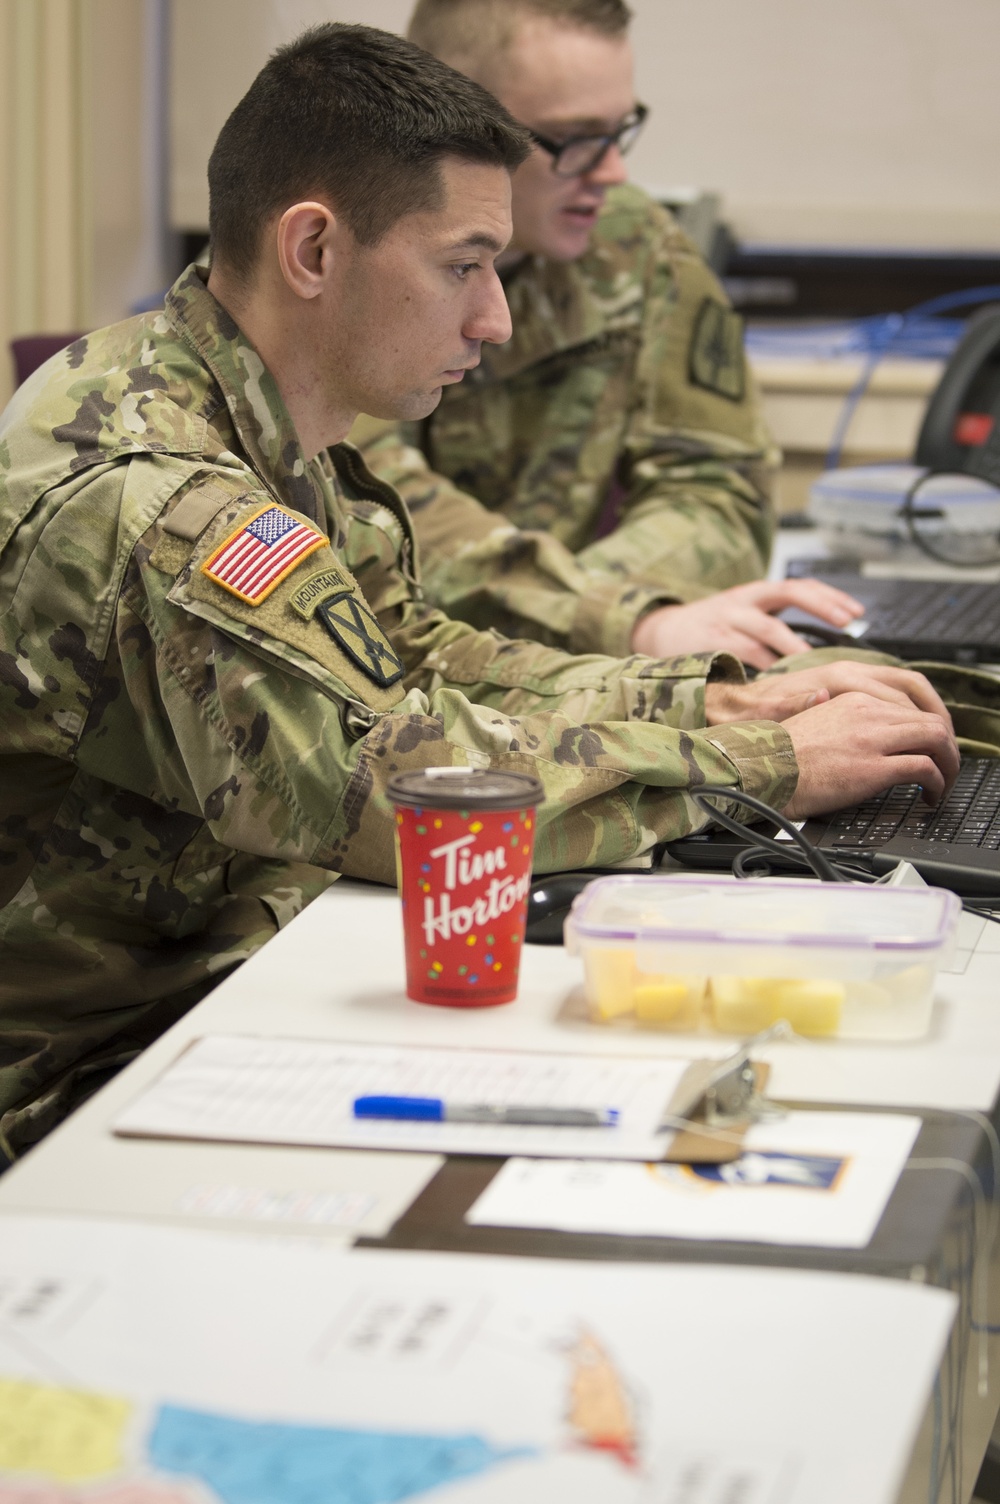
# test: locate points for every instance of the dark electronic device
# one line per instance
(953, 621)
(549, 901)
(954, 844)
(961, 428)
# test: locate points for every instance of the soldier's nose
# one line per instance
(491, 322)
(610, 170)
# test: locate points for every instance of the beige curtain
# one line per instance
(45, 233)
(82, 164)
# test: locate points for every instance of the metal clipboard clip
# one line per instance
(733, 1090)
(717, 1101)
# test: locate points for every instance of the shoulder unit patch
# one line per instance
(261, 553)
(354, 629)
(716, 359)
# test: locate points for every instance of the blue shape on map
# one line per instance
(249, 1462)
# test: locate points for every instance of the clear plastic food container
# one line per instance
(834, 959)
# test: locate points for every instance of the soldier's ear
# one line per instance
(305, 238)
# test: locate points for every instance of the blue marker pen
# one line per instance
(435, 1110)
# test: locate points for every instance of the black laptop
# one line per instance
(955, 844)
(950, 621)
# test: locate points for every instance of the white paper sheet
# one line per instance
(242, 1203)
(249, 1188)
(154, 1365)
(281, 1091)
(818, 1179)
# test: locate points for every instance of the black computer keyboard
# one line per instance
(968, 816)
(933, 612)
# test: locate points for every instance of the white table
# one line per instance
(337, 972)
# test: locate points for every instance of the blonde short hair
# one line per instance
(464, 32)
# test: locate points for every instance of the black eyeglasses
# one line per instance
(581, 154)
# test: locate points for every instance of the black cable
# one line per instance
(802, 854)
(814, 858)
(755, 861)
(910, 513)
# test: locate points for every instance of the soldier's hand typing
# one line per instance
(855, 746)
(739, 621)
(775, 697)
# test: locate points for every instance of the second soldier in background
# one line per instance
(620, 423)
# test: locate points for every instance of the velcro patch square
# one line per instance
(261, 553)
(715, 360)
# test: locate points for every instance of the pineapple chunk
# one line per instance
(911, 985)
(746, 1005)
(668, 999)
(811, 1006)
(736, 1006)
(610, 981)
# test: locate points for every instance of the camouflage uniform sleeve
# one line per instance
(697, 460)
(480, 569)
(272, 723)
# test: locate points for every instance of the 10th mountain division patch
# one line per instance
(354, 629)
(332, 596)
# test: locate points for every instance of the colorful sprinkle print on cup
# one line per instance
(464, 841)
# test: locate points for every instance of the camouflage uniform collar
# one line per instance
(250, 392)
(562, 305)
(552, 310)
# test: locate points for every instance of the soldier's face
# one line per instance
(563, 81)
(409, 315)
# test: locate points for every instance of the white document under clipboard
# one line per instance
(811, 1179)
(240, 1089)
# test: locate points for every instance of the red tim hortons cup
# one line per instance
(463, 858)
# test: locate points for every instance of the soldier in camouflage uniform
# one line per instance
(587, 427)
(620, 424)
(214, 648)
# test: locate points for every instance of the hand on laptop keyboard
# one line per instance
(856, 746)
(775, 697)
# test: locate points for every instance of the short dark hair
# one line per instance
(353, 115)
(469, 33)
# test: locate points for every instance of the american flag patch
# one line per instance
(259, 555)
